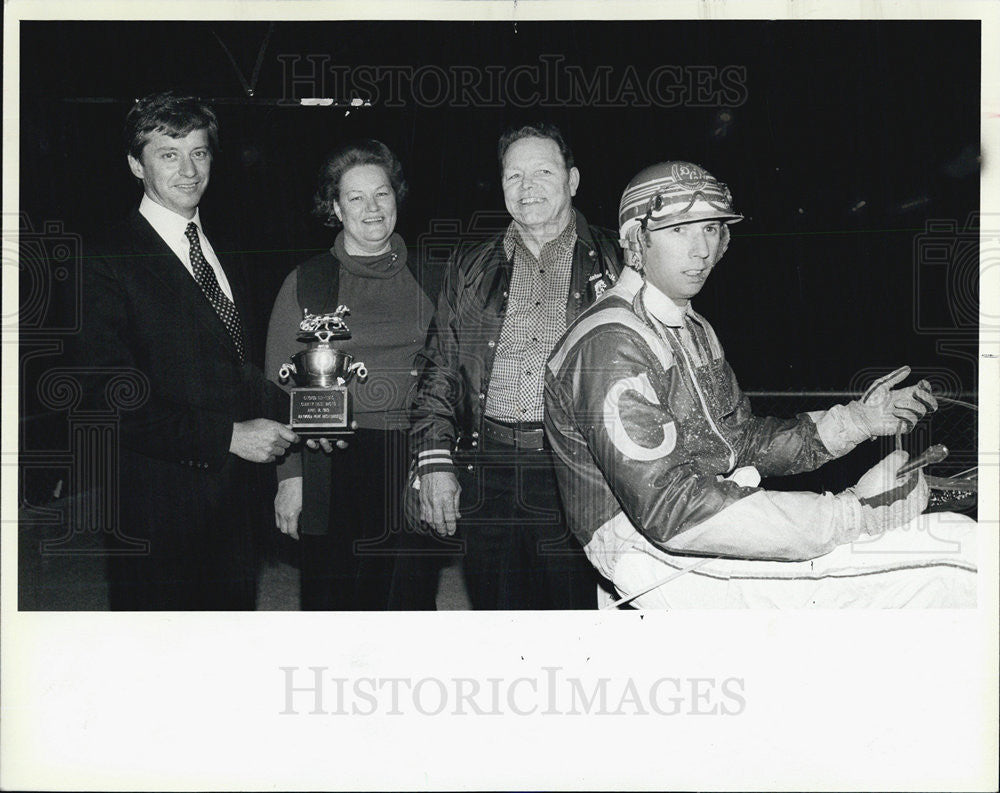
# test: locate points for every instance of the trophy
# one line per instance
(321, 405)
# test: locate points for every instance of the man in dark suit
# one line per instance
(164, 308)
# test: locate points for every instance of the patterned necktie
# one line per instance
(223, 306)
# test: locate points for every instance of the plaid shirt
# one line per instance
(535, 319)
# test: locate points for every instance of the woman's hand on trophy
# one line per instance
(288, 505)
(326, 445)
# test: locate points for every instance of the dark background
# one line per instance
(816, 287)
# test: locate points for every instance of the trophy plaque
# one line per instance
(321, 403)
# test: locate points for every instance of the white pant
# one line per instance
(929, 563)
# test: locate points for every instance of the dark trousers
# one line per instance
(201, 532)
(365, 561)
(519, 553)
(187, 569)
(417, 572)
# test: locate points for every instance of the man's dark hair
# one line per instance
(537, 129)
(171, 114)
(362, 152)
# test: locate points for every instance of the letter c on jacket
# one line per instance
(616, 429)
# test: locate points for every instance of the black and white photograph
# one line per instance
(436, 396)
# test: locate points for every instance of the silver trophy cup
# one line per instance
(321, 403)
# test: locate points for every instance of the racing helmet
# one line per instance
(669, 194)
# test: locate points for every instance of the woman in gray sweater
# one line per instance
(344, 507)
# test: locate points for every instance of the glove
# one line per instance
(882, 411)
(888, 502)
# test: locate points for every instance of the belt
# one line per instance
(528, 435)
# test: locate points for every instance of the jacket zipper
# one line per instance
(704, 403)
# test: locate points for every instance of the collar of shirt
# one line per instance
(168, 224)
(627, 285)
(690, 330)
(171, 227)
(512, 240)
(663, 308)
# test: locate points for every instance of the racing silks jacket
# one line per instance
(652, 445)
(457, 360)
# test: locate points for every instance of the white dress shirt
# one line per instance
(171, 227)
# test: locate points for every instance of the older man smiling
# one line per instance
(503, 306)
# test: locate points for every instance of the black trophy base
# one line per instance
(321, 412)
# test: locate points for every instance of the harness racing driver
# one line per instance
(659, 457)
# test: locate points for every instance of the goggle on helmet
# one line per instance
(669, 194)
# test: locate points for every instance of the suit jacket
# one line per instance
(146, 322)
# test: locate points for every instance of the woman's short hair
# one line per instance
(171, 114)
(364, 152)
